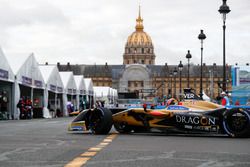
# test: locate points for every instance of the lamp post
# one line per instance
(180, 67)
(162, 84)
(188, 56)
(175, 73)
(171, 75)
(224, 10)
(201, 37)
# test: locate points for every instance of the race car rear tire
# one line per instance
(122, 127)
(100, 121)
(236, 122)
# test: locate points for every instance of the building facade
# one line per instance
(138, 73)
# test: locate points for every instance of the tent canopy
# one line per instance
(80, 84)
(26, 70)
(52, 78)
(205, 97)
(6, 72)
(89, 86)
(102, 91)
(69, 83)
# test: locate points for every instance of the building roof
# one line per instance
(114, 71)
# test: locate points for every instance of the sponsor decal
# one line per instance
(70, 91)
(52, 87)
(4, 74)
(59, 89)
(77, 128)
(188, 127)
(195, 120)
(38, 83)
(26, 80)
(206, 128)
(189, 96)
(172, 107)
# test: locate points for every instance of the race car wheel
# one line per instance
(236, 122)
(100, 121)
(122, 127)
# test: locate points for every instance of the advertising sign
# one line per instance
(241, 85)
(4, 74)
(38, 83)
(26, 80)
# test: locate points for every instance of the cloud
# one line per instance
(88, 32)
(35, 14)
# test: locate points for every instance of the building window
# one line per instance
(142, 50)
(135, 50)
(142, 62)
(129, 84)
(136, 84)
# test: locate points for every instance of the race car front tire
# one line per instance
(236, 122)
(100, 121)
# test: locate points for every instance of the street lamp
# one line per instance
(175, 73)
(180, 67)
(171, 75)
(188, 56)
(162, 84)
(224, 10)
(201, 37)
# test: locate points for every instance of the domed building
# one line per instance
(138, 73)
(139, 48)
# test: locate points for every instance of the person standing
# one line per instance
(237, 103)
(225, 100)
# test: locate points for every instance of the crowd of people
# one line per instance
(25, 107)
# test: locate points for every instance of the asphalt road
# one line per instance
(46, 142)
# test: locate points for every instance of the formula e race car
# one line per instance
(188, 116)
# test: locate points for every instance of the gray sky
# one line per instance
(95, 31)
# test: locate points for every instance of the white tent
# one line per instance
(70, 88)
(6, 73)
(53, 84)
(103, 93)
(27, 74)
(89, 91)
(6, 87)
(81, 89)
(205, 97)
(114, 95)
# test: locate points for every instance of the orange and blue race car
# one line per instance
(191, 115)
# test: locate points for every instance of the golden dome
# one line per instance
(139, 37)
